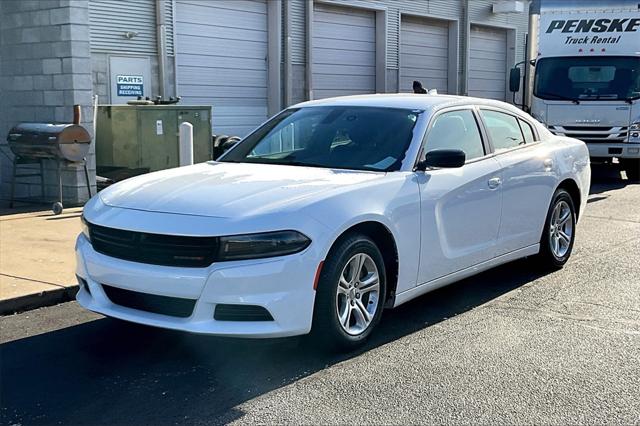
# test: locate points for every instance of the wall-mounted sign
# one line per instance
(130, 85)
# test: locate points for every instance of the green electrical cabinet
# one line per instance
(144, 138)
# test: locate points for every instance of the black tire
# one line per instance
(632, 167)
(548, 257)
(57, 208)
(327, 330)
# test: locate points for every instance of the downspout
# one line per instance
(161, 32)
(288, 72)
(309, 48)
(465, 54)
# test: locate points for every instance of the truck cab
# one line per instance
(586, 78)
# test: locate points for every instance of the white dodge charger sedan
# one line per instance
(330, 212)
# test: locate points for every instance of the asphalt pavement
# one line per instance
(513, 345)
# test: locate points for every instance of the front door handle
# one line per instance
(494, 182)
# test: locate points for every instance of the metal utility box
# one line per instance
(145, 137)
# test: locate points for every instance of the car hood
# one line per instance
(229, 190)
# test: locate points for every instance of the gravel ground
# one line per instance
(510, 346)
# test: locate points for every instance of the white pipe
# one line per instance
(95, 114)
(162, 45)
(186, 144)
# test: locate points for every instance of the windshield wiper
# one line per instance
(566, 98)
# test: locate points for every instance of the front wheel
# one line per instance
(632, 167)
(559, 231)
(350, 294)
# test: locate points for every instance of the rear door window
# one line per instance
(503, 129)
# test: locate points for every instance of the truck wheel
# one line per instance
(350, 295)
(559, 231)
(632, 167)
(57, 208)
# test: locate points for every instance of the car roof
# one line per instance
(407, 101)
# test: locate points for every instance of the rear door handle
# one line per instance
(494, 182)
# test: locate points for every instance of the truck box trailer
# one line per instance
(584, 68)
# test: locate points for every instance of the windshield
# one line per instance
(588, 78)
(342, 137)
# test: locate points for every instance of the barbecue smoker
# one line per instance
(33, 143)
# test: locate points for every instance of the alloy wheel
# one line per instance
(561, 229)
(357, 294)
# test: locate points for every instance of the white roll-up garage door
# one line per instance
(424, 53)
(487, 62)
(344, 51)
(221, 53)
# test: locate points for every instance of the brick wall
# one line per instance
(45, 68)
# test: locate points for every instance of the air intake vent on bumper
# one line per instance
(163, 305)
(226, 312)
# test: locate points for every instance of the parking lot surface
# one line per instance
(513, 345)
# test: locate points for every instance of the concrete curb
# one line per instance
(38, 300)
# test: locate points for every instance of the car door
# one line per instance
(528, 179)
(460, 207)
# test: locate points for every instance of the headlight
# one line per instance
(634, 132)
(255, 246)
(85, 227)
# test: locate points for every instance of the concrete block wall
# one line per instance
(45, 69)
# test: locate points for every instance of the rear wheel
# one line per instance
(559, 234)
(350, 294)
(632, 167)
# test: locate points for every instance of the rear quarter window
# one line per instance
(527, 131)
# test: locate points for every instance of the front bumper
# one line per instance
(283, 286)
(610, 150)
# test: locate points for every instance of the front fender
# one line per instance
(394, 203)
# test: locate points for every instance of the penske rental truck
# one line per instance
(582, 77)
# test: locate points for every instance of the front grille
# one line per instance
(225, 312)
(163, 305)
(586, 128)
(156, 249)
(593, 134)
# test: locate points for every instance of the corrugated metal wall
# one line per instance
(298, 31)
(480, 11)
(450, 9)
(169, 23)
(111, 19)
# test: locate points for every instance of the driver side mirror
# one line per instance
(443, 158)
(514, 79)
